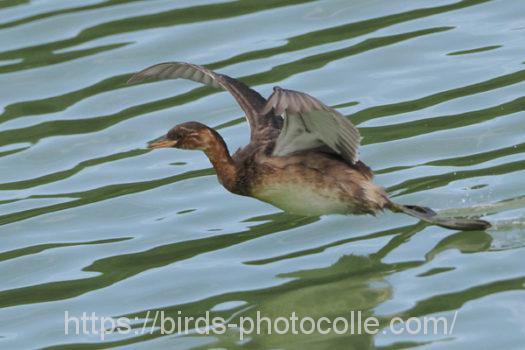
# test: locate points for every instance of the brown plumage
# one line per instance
(302, 156)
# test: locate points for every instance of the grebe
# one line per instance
(302, 156)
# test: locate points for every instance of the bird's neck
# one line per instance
(226, 168)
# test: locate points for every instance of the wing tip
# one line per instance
(135, 78)
(145, 73)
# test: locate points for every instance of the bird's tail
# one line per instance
(430, 216)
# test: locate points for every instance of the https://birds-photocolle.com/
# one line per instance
(302, 156)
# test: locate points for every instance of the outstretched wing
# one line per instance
(309, 124)
(249, 100)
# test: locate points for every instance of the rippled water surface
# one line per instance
(92, 221)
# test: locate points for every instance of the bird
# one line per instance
(302, 156)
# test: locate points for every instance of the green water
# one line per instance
(92, 221)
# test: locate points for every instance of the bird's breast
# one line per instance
(303, 198)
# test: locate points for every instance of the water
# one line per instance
(92, 221)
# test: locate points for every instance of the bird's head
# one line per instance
(189, 135)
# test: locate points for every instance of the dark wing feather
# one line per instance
(309, 124)
(248, 99)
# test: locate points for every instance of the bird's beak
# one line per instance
(162, 142)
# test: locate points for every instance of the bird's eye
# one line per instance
(173, 135)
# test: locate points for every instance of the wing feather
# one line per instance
(248, 99)
(309, 124)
